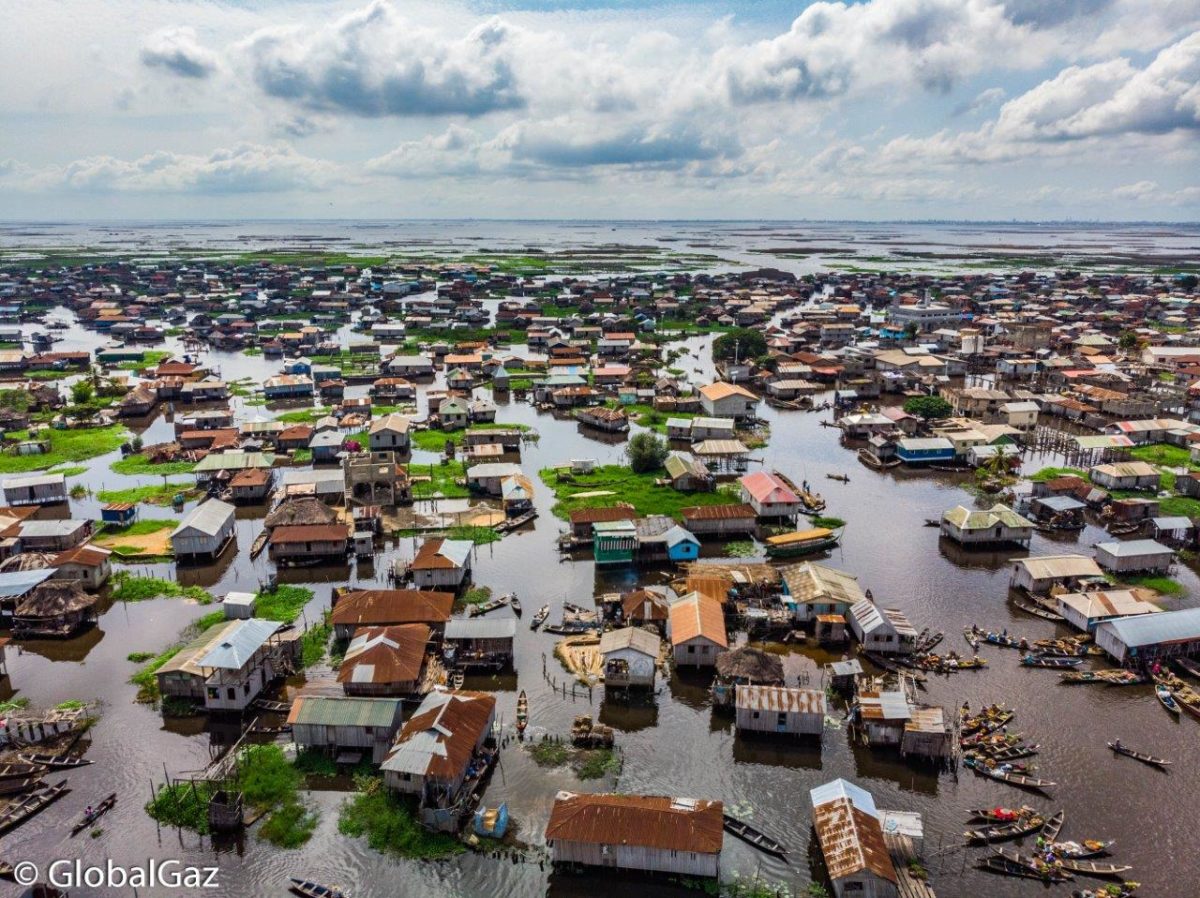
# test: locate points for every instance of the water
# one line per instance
(674, 744)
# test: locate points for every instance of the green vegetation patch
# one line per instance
(1164, 454)
(389, 823)
(162, 494)
(283, 603)
(619, 484)
(127, 587)
(592, 764)
(146, 680)
(443, 481)
(1162, 585)
(139, 464)
(481, 536)
(549, 754)
(142, 527)
(1051, 473)
(66, 446)
(315, 641)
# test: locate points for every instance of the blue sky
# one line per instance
(978, 109)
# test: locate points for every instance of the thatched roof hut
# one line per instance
(28, 561)
(750, 666)
(300, 511)
(54, 608)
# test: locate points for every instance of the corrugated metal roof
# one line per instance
(207, 517)
(780, 698)
(1134, 548)
(35, 480)
(345, 711)
(1047, 567)
(239, 644)
(650, 821)
(1151, 629)
(14, 584)
(629, 638)
(481, 628)
(812, 582)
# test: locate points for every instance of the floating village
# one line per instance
(357, 578)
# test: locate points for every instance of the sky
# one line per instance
(877, 109)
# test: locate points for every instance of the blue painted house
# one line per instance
(924, 450)
(682, 545)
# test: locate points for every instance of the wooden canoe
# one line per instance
(1139, 756)
(16, 814)
(97, 812)
(522, 712)
(1036, 869)
(1013, 779)
(310, 889)
(18, 786)
(1005, 815)
(1092, 868)
(540, 617)
(998, 864)
(1054, 662)
(1053, 826)
(20, 771)
(1000, 832)
(1166, 699)
(753, 837)
(54, 762)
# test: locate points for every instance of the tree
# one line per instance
(742, 342)
(646, 453)
(928, 407)
(82, 392)
(1128, 340)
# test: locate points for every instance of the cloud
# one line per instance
(247, 168)
(982, 100)
(1043, 13)
(177, 51)
(374, 63)
(1112, 97)
(659, 147)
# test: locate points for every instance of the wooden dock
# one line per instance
(904, 853)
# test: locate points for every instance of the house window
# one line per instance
(691, 650)
(755, 715)
(213, 692)
(231, 694)
(782, 719)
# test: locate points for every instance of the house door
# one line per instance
(781, 722)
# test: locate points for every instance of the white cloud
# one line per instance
(247, 168)
(177, 51)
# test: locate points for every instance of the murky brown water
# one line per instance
(674, 744)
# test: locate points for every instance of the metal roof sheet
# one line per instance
(207, 517)
(1150, 629)
(240, 644)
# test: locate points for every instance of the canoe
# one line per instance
(1002, 831)
(1037, 611)
(1007, 752)
(971, 637)
(1139, 756)
(1001, 815)
(97, 812)
(1013, 779)
(20, 771)
(514, 603)
(1078, 851)
(752, 836)
(839, 477)
(16, 814)
(522, 712)
(802, 542)
(310, 889)
(1035, 869)
(15, 786)
(1053, 826)
(540, 617)
(487, 607)
(53, 762)
(1049, 661)
(1092, 868)
(7, 871)
(1166, 699)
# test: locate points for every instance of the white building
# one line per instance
(204, 532)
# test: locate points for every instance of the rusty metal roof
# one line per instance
(781, 698)
(650, 821)
(851, 840)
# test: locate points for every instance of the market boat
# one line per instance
(1166, 699)
(310, 889)
(487, 607)
(1139, 756)
(1035, 867)
(1049, 661)
(1001, 815)
(1006, 641)
(1001, 832)
(34, 803)
(972, 637)
(1078, 851)
(540, 617)
(752, 836)
(802, 542)
(96, 813)
(522, 714)
(1013, 779)
(62, 761)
